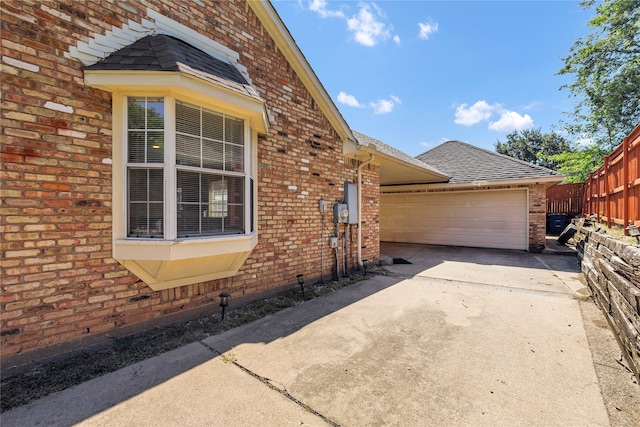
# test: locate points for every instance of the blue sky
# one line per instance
(417, 73)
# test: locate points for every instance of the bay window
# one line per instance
(183, 188)
(205, 155)
(184, 155)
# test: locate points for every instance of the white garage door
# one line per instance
(485, 219)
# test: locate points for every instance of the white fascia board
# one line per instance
(414, 167)
(381, 157)
(180, 83)
(475, 184)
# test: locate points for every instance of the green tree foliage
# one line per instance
(577, 165)
(535, 147)
(606, 69)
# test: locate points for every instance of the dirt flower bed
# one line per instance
(617, 232)
(42, 380)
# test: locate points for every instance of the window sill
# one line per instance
(165, 264)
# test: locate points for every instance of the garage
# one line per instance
(487, 219)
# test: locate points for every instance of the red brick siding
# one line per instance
(537, 217)
(370, 214)
(59, 281)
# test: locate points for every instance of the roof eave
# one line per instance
(547, 180)
(411, 173)
(131, 80)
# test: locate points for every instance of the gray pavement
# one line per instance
(458, 337)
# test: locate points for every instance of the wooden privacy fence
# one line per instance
(565, 199)
(612, 193)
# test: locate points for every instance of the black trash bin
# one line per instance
(556, 223)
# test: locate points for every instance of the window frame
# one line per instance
(170, 170)
(171, 246)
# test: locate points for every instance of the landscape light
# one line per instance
(300, 278)
(224, 302)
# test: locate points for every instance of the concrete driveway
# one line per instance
(458, 337)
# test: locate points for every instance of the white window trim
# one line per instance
(172, 248)
(185, 87)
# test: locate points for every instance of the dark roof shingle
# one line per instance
(165, 53)
(393, 152)
(466, 163)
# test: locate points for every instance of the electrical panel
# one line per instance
(340, 213)
(351, 200)
(323, 206)
(333, 242)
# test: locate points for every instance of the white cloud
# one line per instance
(535, 105)
(382, 106)
(367, 25)
(427, 28)
(427, 145)
(349, 100)
(483, 111)
(470, 115)
(510, 121)
(385, 106)
(367, 28)
(435, 144)
(320, 7)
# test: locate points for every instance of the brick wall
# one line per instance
(370, 213)
(537, 217)
(59, 282)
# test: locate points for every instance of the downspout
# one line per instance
(360, 207)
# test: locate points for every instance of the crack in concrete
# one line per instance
(480, 285)
(282, 390)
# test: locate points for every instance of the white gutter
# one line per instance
(360, 207)
(475, 184)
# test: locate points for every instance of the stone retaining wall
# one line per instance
(612, 270)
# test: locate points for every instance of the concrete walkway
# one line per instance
(458, 337)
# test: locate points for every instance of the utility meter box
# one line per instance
(351, 199)
(340, 213)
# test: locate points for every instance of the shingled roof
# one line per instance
(466, 163)
(396, 167)
(165, 53)
(390, 151)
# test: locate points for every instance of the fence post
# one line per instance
(607, 199)
(602, 194)
(592, 211)
(598, 195)
(625, 181)
(587, 209)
